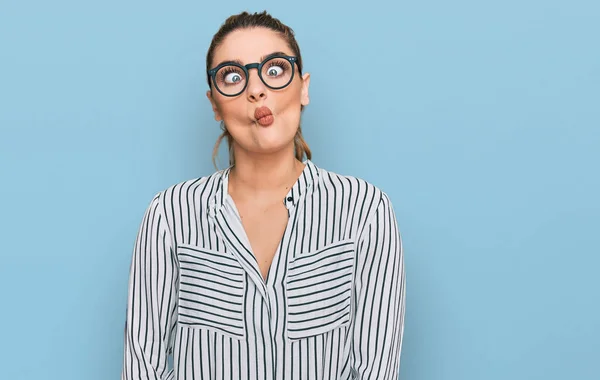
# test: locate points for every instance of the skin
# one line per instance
(266, 167)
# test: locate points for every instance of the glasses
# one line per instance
(231, 79)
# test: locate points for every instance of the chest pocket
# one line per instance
(319, 289)
(211, 291)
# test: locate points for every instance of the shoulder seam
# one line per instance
(371, 217)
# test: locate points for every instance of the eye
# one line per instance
(233, 78)
(275, 70)
(230, 76)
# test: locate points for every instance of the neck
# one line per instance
(264, 174)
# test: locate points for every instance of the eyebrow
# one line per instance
(237, 61)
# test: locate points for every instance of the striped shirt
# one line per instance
(331, 307)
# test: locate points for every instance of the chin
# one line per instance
(274, 139)
(274, 147)
(265, 140)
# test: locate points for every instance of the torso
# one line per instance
(300, 327)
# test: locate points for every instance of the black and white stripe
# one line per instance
(332, 306)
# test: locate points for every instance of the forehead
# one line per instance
(249, 45)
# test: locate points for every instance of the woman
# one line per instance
(272, 268)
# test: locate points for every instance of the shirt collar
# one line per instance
(303, 186)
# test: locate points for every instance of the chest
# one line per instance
(312, 293)
(264, 227)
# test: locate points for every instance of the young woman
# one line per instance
(272, 268)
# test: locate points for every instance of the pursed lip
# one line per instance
(261, 112)
(264, 116)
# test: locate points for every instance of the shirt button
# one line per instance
(289, 199)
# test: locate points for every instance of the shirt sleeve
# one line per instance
(379, 298)
(151, 304)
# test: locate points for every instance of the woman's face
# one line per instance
(250, 131)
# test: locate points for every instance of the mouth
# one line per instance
(264, 116)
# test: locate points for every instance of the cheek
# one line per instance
(289, 119)
(289, 105)
(234, 110)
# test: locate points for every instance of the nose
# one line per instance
(256, 88)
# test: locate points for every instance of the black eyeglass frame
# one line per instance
(258, 66)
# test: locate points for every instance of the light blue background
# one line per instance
(480, 119)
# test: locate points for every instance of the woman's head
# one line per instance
(241, 96)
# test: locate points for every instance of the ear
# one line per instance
(214, 106)
(304, 98)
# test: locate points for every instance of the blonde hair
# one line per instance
(242, 21)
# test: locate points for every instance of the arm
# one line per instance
(379, 298)
(152, 297)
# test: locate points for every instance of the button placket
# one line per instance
(212, 208)
(288, 202)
